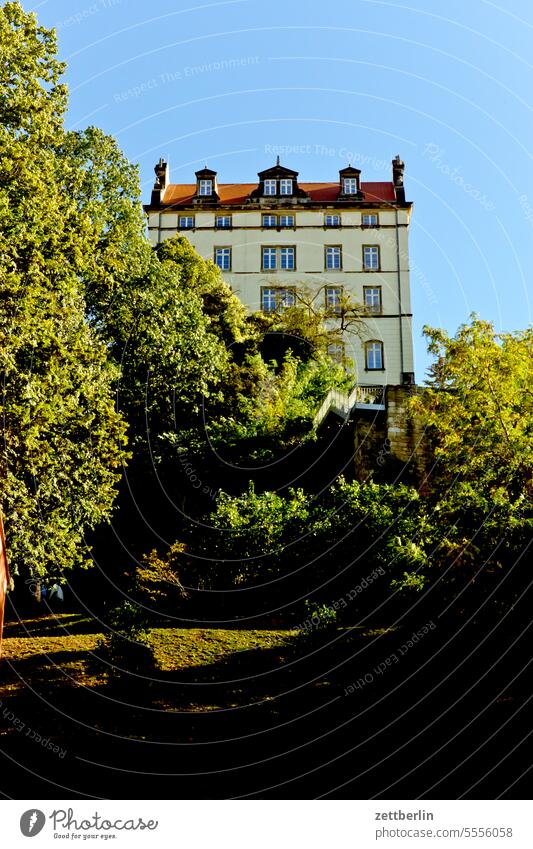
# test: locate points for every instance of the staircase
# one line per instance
(360, 398)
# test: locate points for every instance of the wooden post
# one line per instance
(4, 578)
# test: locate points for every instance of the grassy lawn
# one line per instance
(57, 649)
(223, 706)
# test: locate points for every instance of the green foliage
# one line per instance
(157, 578)
(127, 646)
(270, 404)
(308, 327)
(268, 535)
(63, 440)
(319, 617)
(224, 312)
(478, 408)
(169, 356)
(410, 581)
(106, 210)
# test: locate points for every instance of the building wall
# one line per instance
(395, 434)
(310, 237)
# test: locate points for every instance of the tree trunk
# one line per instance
(4, 577)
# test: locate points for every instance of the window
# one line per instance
(370, 220)
(269, 300)
(285, 187)
(336, 351)
(270, 187)
(283, 258)
(274, 298)
(349, 185)
(371, 257)
(278, 221)
(333, 258)
(223, 222)
(186, 222)
(374, 356)
(332, 221)
(269, 259)
(223, 258)
(286, 221)
(372, 298)
(287, 259)
(205, 187)
(333, 299)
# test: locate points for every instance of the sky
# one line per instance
(232, 83)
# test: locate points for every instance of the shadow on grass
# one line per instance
(285, 721)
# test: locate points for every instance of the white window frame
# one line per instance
(274, 298)
(373, 355)
(185, 218)
(285, 253)
(285, 186)
(223, 218)
(270, 187)
(280, 254)
(273, 221)
(333, 295)
(371, 258)
(205, 187)
(329, 222)
(286, 221)
(333, 257)
(349, 185)
(372, 219)
(269, 302)
(272, 254)
(224, 254)
(372, 298)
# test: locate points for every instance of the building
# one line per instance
(275, 236)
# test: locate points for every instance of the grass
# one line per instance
(60, 646)
(234, 711)
(180, 648)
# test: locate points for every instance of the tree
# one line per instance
(170, 352)
(478, 408)
(63, 439)
(106, 194)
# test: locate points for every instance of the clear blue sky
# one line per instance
(447, 86)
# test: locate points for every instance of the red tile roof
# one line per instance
(181, 194)
(379, 192)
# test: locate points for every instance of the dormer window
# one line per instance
(349, 183)
(205, 187)
(278, 184)
(349, 186)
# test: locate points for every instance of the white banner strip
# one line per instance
(267, 824)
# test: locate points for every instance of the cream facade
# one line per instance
(278, 236)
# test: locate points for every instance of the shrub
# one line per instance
(319, 617)
(126, 648)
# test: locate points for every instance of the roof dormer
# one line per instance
(206, 186)
(278, 184)
(350, 184)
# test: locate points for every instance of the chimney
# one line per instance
(162, 177)
(398, 168)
